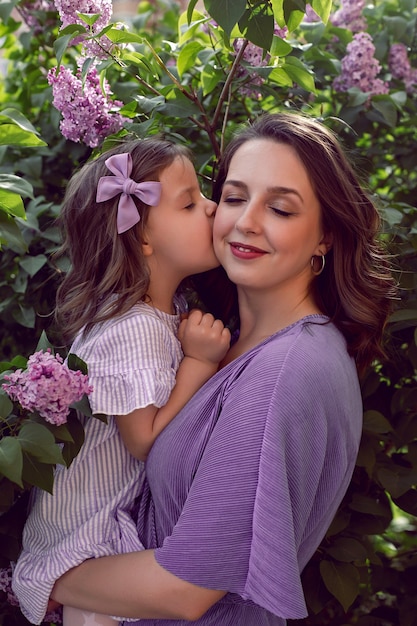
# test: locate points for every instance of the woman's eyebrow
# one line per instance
(275, 189)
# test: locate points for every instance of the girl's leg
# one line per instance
(76, 617)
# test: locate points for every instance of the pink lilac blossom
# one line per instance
(6, 585)
(400, 67)
(68, 10)
(350, 16)
(88, 112)
(30, 10)
(360, 68)
(68, 13)
(47, 386)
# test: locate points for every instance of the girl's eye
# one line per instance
(190, 206)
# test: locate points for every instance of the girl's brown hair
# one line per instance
(356, 289)
(102, 262)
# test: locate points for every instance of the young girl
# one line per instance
(135, 224)
(266, 448)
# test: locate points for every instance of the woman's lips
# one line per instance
(243, 251)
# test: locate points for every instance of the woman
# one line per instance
(243, 484)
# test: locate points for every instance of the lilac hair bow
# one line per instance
(109, 186)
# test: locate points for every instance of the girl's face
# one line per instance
(268, 222)
(179, 231)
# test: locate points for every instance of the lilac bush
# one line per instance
(400, 67)
(350, 16)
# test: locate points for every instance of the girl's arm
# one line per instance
(205, 342)
(133, 585)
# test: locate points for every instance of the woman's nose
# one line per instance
(248, 220)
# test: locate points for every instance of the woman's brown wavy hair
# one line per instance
(102, 262)
(356, 289)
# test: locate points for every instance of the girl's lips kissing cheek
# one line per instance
(243, 251)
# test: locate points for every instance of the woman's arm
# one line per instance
(133, 585)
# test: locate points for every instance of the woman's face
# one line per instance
(268, 222)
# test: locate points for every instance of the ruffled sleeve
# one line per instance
(132, 363)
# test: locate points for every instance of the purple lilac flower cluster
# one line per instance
(6, 585)
(68, 10)
(360, 68)
(400, 67)
(47, 386)
(310, 15)
(350, 16)
(89, 114)
(30, 10)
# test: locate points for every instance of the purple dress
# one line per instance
(243, 484)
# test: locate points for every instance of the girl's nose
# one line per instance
(210, 208)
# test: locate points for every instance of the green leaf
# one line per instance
(260, 30)
(294, 11)
(16, 184)
(123, 36)
(386, 108)
(6, 8)
(190, 10)
(375, 422)
(32, 264)
(278, 11)
(10, 233)
(13, 135)
(226, 13)
(62, 43)
(280, 76)
(71, 448)
(342, 580)
(300, 74)
(187, 56)
(89, 18)
(83, 406)
(44, 343)
(25, 316)
(322, 8)
(75, 363)
(36, 440)
(210, 78)
(12, 204)
(19, 119)
(347, 550)
(6, 405)
(11, 460)
(279, 47)
(38, 474)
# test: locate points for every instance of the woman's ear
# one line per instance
(325, 244)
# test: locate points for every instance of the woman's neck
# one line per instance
(261, 317)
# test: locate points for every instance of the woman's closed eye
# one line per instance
(280, 211)
(232, 199)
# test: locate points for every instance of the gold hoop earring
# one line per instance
(323, 263)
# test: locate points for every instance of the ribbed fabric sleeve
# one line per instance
(264, 453)
(132, 361)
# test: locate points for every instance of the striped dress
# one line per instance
(132, 362)
(241, 487)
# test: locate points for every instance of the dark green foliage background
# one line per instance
(178, 77)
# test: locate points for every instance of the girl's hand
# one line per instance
(203, 337)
